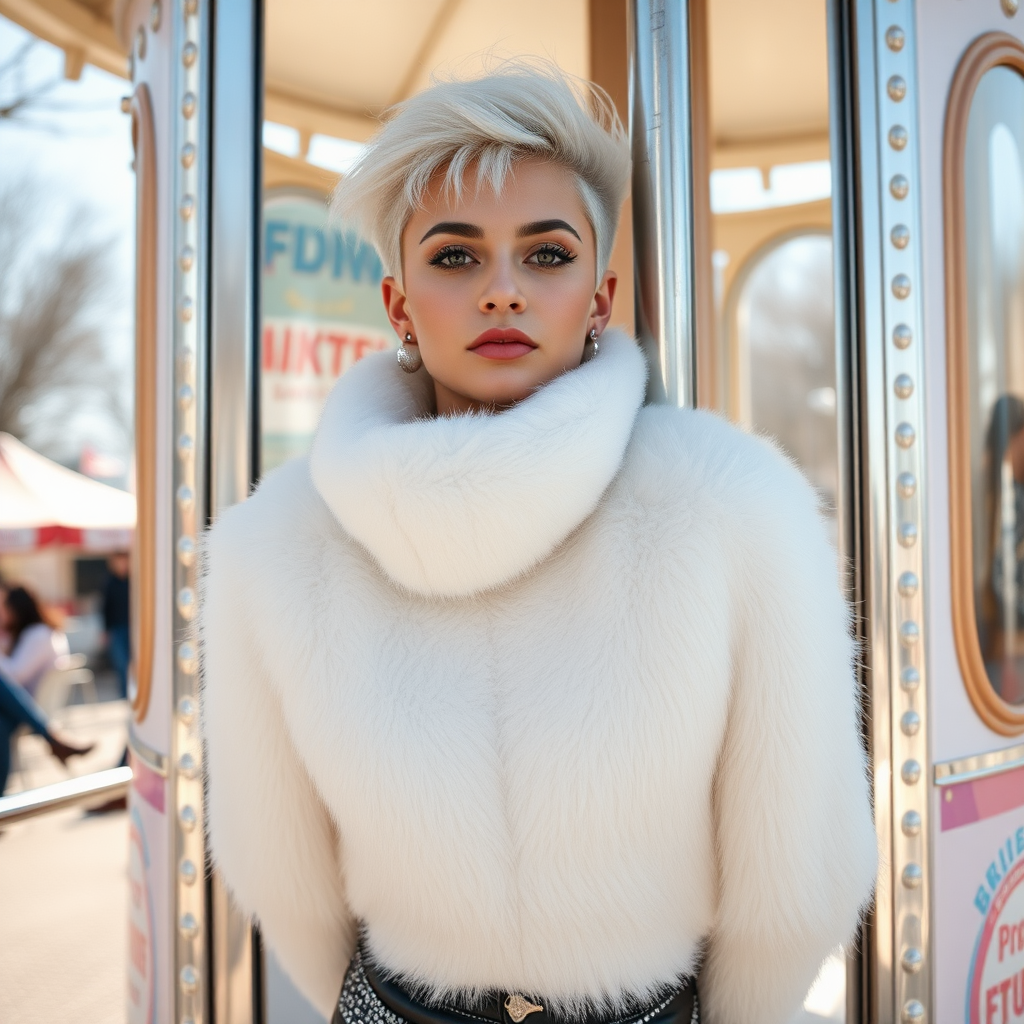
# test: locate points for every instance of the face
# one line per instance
(499, 291)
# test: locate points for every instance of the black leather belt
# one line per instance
(367, 985)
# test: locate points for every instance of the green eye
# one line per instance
(551, 256)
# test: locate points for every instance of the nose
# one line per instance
(502, 293)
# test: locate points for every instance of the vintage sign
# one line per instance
(322, 312)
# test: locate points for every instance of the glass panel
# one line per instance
(994, 212)
(784, 346)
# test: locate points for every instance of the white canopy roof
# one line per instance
(42, 503)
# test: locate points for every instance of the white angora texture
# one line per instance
(550, 699)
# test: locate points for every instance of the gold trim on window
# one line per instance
(992, 50)
(144, 554)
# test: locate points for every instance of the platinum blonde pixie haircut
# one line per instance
(516, 111)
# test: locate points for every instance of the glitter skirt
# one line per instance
(368, 996)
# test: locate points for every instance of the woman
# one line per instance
(35, 646)
(34, 650)
(536, 700)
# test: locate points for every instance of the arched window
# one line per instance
(781, 352)
(984, 195)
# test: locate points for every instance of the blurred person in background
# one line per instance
(35, 648)
(115, 618)
(34, 645)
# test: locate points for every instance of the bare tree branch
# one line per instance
(57, 301)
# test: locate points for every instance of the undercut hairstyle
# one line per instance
(520, 109)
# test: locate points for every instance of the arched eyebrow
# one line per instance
(541, 227)
(454, 227)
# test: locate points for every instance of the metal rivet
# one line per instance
(154, 15)
(189, 978)
(897, 88)
(189, 54)
(905, 435)
(191, 8)
(185, 446)
(187, 258)
(186, 602)
(949, 796)
(187, 710)
(188, 105)
(898, 137)
(140, 43)
(187, 766)
(185, 496)
(903, 386)
(895, 39)
(186, 550)
(899, 186)
(911, 824)
(187, 207)
(187, 660)
(910, 773)
(906, 485)
(908, 535)
(909, 633)
(901, 286)
(188, 926)
(907, 582)
(1010, 7)
(902, 336)
(126, 104)
(911, 960)
(188, 818)
(185, 309)
(188, 155)
(187, 872)
(900, 236)
(910, 679)
(913, 1012)
(910, 723)
(186, 396)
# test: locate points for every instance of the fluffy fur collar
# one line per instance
(451, 506)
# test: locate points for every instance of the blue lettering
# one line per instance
(360, 257)
(272, 245)
(304, 263)
(992, 876)
(981, 900)
(1020, 841)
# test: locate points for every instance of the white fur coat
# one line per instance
(547, 698)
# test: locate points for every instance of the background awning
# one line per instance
(43, 504)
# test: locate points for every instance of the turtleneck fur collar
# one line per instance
(449, 506)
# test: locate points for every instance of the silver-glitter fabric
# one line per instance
(360, 1004)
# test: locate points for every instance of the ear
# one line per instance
(397, 307)
(604, 297)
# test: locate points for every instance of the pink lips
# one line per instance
(503, 343)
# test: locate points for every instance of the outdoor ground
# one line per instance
(64, 889)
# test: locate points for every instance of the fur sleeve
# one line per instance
(271, 836)
(795, 839)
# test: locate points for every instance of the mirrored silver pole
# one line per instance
(660, 133)
(235, 201)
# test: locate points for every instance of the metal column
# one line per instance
(660, 126)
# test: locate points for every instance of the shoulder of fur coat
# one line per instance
(693, 781)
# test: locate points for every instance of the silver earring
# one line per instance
(409, 359)
(590, 347)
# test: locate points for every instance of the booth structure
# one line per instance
(825, 241)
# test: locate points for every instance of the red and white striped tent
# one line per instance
(43, 504)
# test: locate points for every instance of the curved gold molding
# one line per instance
(988, 51)
(144, 568)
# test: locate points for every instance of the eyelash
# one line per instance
(565, 257)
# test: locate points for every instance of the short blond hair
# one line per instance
(520, 109)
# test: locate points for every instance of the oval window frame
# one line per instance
(992, 50)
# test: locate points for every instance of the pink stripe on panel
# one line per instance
(147, 783)
(968, 802)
